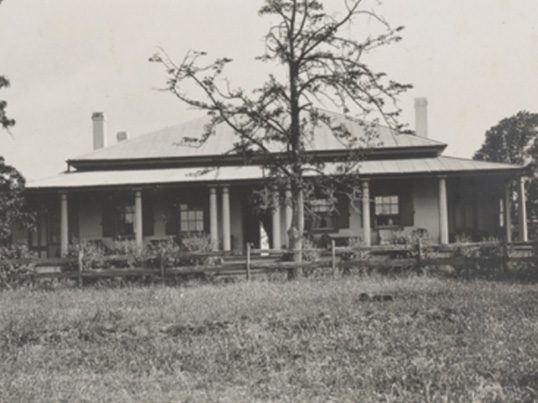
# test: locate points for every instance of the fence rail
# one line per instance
(261, 261)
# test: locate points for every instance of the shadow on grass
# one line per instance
(514, 275)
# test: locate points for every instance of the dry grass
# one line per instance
(310, 340)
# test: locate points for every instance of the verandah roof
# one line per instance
(380, 168)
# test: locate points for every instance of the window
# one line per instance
(125, 220)
(118, 217)
(322, 216)
(191, 218)
(387, 211)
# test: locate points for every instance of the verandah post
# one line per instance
(64, 226)
(248, 261)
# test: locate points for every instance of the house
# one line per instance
(154, 186)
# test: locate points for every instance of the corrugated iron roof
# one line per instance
(170, 143)
(88, 179)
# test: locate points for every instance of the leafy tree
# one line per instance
(320, 63)
(12, 201)
(12, 204)
(515, 140)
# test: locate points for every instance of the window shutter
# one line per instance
(172, 220)
(407, 209)
(341, 215)
(147, 214)
(72, 219)
(109, 219)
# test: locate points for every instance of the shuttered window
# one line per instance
(394, 209)
(387, 210)
(191, 218)
(118, 217)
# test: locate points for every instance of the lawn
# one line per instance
(307, 340)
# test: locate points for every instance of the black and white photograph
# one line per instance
(268, 201)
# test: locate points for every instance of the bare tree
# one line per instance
(275, 123)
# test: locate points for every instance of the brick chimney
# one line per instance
(421, 117)
(99, 130)
(122, 136)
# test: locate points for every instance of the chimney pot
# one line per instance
(421, 117)
(122, 136)
(99, 130)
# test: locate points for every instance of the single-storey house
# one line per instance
(155, 186)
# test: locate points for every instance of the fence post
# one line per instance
(248, 261)
(419, 253)
(80, 256)
(506, 257)
(161, 262)
(535, 253)
(333, 256)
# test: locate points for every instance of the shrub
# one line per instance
(10, 273)
(483, 257)
(309, 253)
(92, 253)
(195, 243)
(129, 252)
(163, 253)
(355, 250)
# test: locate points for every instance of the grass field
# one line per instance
(309, 340)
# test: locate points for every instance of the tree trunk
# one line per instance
(296, 231)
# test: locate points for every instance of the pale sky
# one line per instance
(476, 61)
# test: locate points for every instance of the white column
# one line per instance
(507, 212)
(443, 212)
(523, 234)
(226, 232)
(289, 216)
(276, 220)
(138, 218)
(213, 223)
(64, 226)
(367, 236)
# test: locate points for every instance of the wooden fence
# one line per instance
(257, 261)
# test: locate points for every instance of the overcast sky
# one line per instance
(476, 61)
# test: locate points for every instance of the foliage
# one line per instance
(317, 61)
(9, 271)
(355, 250)
(164, 253)
(510, 140)
(13, 209)
(5, 121)
(438, 340)
(197, 245)
(485, 257)
(515, 140)
(93, 255)
(310, 253)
